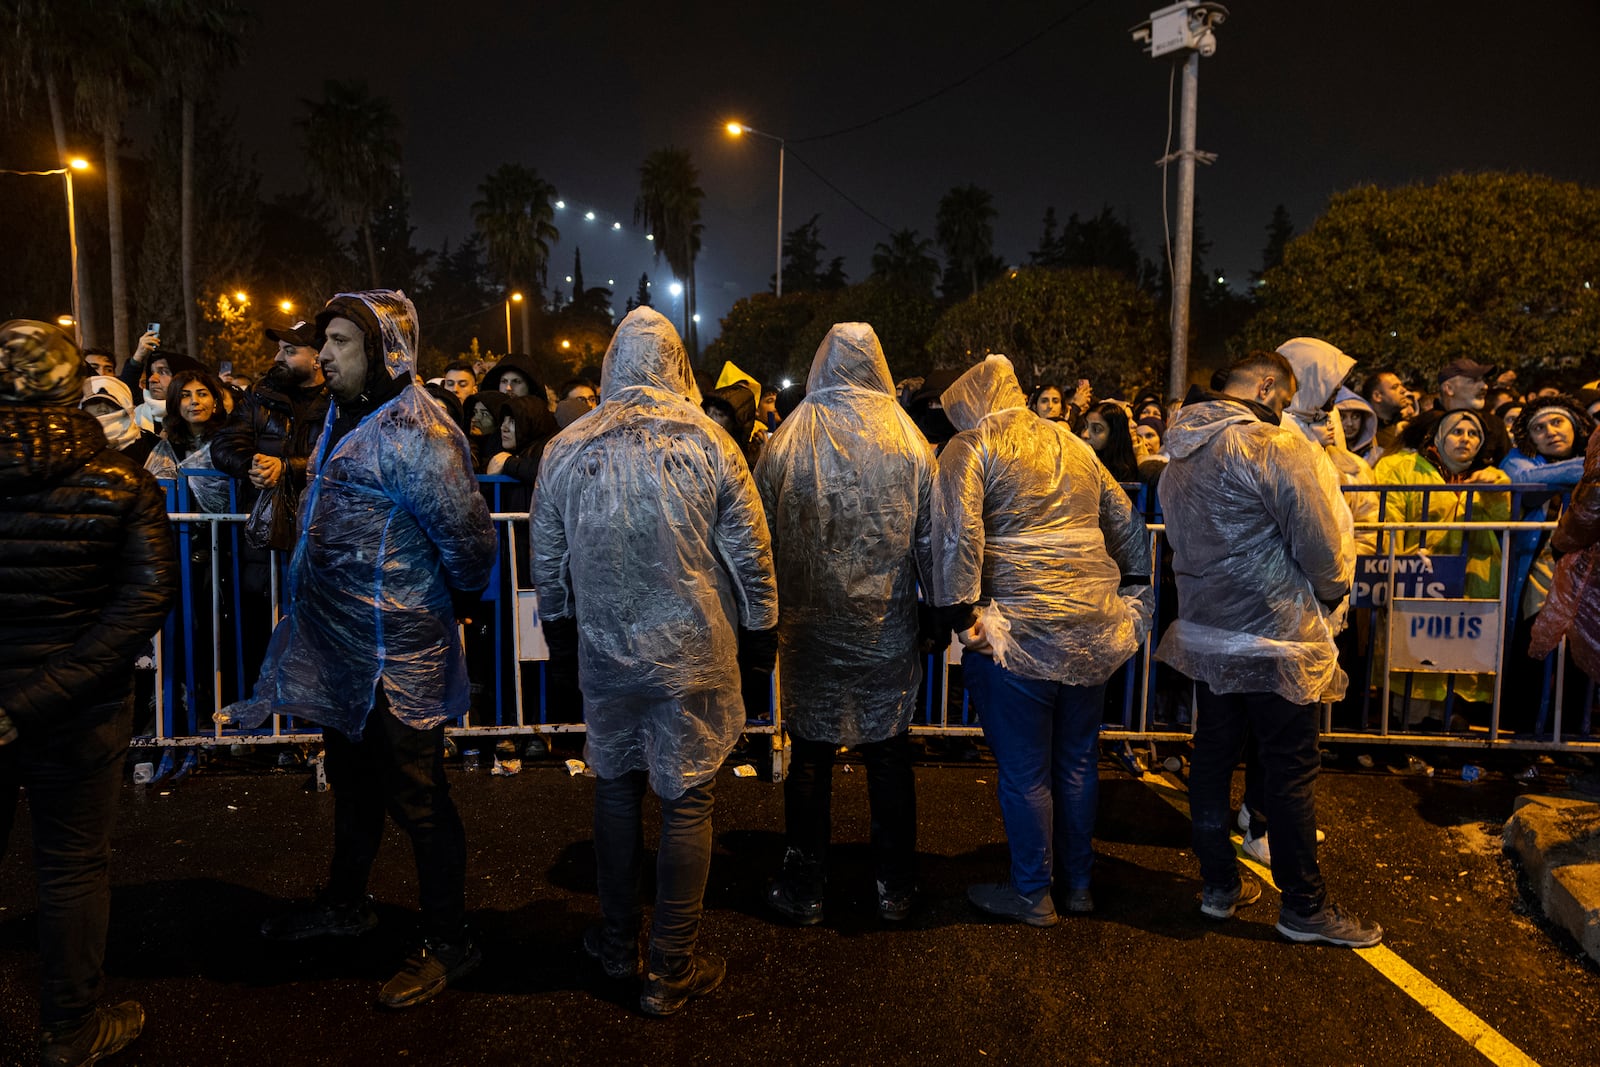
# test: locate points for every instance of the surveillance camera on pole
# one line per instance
(1183, 28)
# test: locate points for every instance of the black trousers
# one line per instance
(891, 793)
(397, 769)
(73, 777)
(1286, 742)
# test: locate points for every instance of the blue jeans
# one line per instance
(1045, 739)
(1285, 736)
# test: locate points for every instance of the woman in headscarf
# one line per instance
(1447, 448)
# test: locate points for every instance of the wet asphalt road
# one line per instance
(1145, 979)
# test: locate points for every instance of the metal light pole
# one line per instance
(516, 297)
(1185, 26)
(738, 128)
(73, 164)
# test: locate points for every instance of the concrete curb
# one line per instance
(1557, 841)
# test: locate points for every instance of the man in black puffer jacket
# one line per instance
(87, 574)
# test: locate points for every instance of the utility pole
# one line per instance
(1183, 27)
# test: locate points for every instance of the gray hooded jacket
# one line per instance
(646, 526)
(1261, 547)
(847, 483)
(1027, 520)
(391, 522)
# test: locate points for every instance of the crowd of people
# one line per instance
(689, 536)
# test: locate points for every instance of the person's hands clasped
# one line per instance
(265, 471)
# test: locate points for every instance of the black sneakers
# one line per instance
(796, 893)
(105, 1033)
(666, 994)
(428, 970)
(617, 958)
(895, 902)
(321, 918)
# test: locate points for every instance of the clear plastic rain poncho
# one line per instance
(847, 483)
(209, 493)
(1261, 548)
(1028, 522)
(391, 522)
(1319, 368)
(646, 526)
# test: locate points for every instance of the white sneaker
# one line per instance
(1258, 849)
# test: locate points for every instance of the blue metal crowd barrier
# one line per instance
(207, 655)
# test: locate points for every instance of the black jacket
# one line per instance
(88, 570)
(283, 423)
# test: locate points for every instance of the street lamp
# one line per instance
(75, 163)
(286, 306)
(738, 129)
(515, 298)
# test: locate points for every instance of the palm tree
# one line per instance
(352, 146)
(203, 37)
(669, 207)
(515, 213)
(966, 229)
(906, 262)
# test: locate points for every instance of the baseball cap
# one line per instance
(1464, 368)
(302, 335)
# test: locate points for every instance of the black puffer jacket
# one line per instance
(87, 566)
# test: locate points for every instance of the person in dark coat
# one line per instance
(515, 375)
(87, 574)
(483, 413)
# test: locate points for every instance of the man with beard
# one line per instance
(278, 422)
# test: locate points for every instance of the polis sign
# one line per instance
(1433, 635)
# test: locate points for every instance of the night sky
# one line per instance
(1300, 100)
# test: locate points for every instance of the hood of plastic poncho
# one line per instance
(850, 357)
(982, 391)
(1349, 400)
(1199, 421)
(1319, 370)
(388, 319)
(646, 353)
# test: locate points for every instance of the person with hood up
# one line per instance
(1319, 368)
(1447, 448)
(485, 410)
(1264, 556)
(393, 529)
(89, 574)
(654, 573)
(110, 402)
(847, 482)
(1549, 436)
(515, 375)
(733, 407)
(1044, 570)
(1359, 424)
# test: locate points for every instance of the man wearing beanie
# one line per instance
(393, 529)
(87, 574)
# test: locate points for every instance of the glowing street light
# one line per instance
(64, 321)
(286, 306)
(74, 163)
(589, 215)
(739, 129)
(515, 298)
(242, 297)
(566, 344)
(676, 289)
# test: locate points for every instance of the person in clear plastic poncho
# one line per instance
(847, 482)
(1264, 556)
(1030, 528)
(391, 524)
(654, 573)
